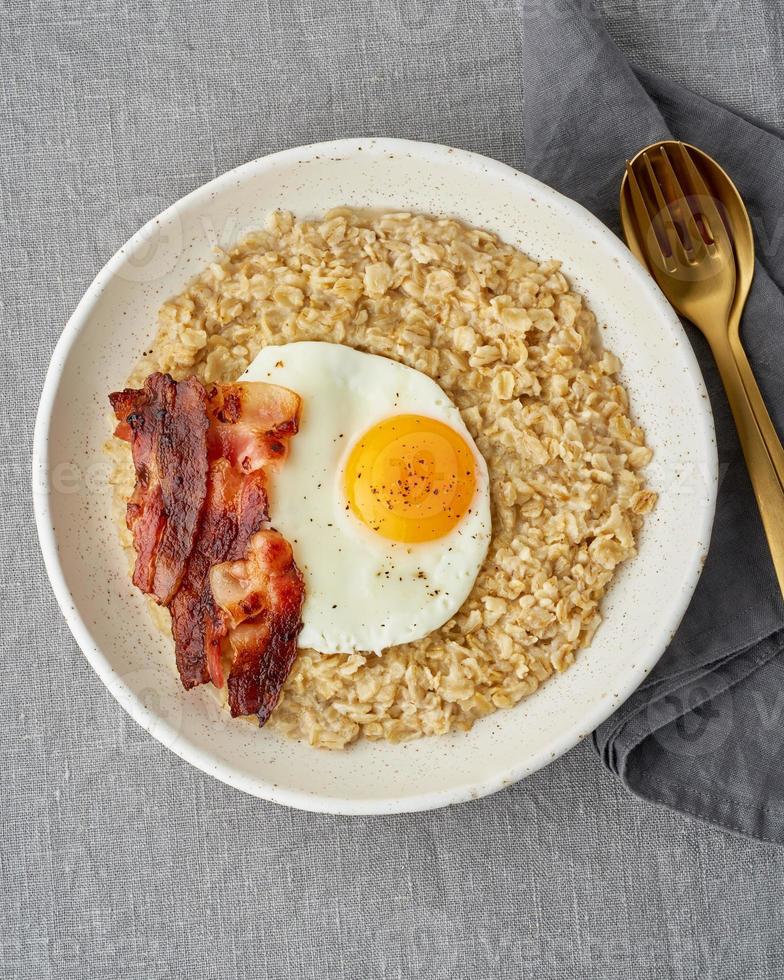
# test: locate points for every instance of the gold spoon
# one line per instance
(673, 224)
(736, 220)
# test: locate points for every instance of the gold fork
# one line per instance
(687, 249)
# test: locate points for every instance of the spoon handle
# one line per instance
(767, 488)
(754, 395)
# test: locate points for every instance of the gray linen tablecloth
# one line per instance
(116, 858)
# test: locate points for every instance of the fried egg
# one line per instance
(384, 497)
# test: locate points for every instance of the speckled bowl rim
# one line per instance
(156, 726)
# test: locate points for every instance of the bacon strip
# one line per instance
(262, 597)
(166, 423)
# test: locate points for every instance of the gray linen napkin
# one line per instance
(705, 733)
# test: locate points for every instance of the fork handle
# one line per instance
(758, 407)
(767, 488)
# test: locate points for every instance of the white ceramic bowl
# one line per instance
(113, 324)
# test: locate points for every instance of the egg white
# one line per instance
(362, 591)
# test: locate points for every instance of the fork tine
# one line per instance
(664, 215)
(653, 209)
(643, 216)
(695, 241)
(710, 212)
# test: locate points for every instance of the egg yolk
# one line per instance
(410, 478)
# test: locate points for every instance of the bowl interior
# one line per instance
(115, 322)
